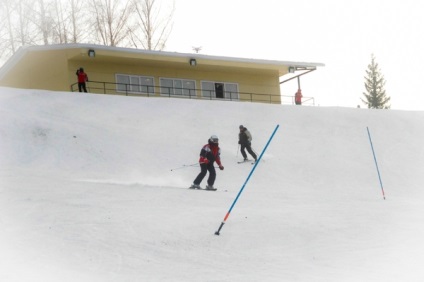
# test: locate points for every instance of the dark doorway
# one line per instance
(219, 90)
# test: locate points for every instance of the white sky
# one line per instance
(340, 34)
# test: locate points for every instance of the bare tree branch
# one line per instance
(154, 29)
(110, 20)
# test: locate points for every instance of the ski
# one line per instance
(204, 189)
(214, 189)
(248, 161)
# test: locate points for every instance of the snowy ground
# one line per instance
(87, 192)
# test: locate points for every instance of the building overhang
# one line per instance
(131, 56)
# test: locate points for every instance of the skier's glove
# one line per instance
(221, 167)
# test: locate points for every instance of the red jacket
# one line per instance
(82, 76)
(209, 154)
(298, 96)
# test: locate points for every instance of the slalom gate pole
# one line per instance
(250, 174)
(376, 165)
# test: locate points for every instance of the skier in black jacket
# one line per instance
(245, 141)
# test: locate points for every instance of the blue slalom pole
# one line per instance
(376, 165)
(242, 188)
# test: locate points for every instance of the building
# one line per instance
(126, 71)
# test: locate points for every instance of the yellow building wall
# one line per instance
(39, 70)
(256, 86)
(55, 70)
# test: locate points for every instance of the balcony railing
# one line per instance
(101, 87)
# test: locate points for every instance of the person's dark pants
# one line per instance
(249, 150)
(204, 168)
(81, 86)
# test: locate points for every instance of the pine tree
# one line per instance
(375, 95)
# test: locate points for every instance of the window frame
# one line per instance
(228, 94)
(180, 91)
(135, 88)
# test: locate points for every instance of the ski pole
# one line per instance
(242, 188)
(376, 165)
(183, 166)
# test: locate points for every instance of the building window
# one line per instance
(177, 87)
(231, 91)
(135, 84)
(220, 90)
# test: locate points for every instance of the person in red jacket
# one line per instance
(82, 79)
(298, 97)
(209, 154)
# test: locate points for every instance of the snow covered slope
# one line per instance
(90, 191)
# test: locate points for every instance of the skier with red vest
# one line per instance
(209, 154)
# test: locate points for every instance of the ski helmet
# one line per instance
(214, 139)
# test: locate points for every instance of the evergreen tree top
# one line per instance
(375, 95)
